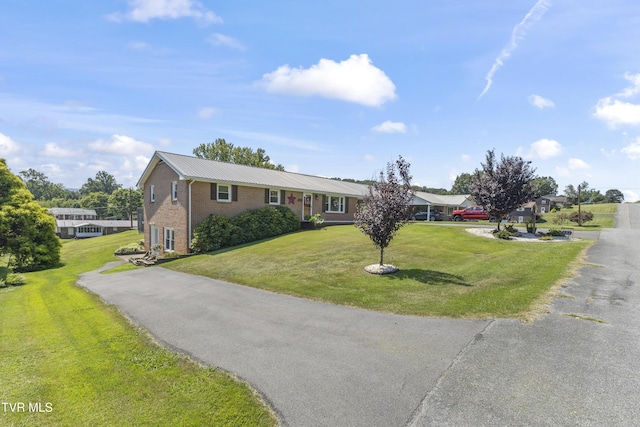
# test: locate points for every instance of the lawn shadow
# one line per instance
(429, 277)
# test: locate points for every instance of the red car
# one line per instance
(472, 212)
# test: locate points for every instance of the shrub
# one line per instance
(511, 228)
(132, 248)
(585, 215)
(217, 231)
(555, 233)
(214, 233)
(502, 234)
(13, 279)
(545, 237)
(561, 218)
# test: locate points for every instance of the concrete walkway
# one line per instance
(316, 364)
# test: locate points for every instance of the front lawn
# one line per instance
(604, 215)
(70, 360)
(445, 271)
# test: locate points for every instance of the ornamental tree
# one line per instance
(502, 186)
(386, 205)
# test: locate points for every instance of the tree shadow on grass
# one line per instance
(429, 277)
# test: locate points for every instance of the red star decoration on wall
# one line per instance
(292, 199)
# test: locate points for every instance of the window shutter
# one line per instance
(234, 193)
(324, 203)
(266, 195)
(214, 191)
(346, 205)
(283, 195)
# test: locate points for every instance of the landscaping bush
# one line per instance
(547, 237)
(214, 233)
(132, 248)
(584, 215)
(555, 233)
(217, 231)
(13, 279)
(511, 228)
(503, 234)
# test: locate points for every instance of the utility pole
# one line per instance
(130, 209)
(579, 212)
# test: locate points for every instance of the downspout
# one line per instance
(189, 218)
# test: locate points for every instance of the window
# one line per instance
(174, 190)
(152, 195)
(334, 204)
(169, 240)
(544, 201)
(90, 229)
(223, 193)
(71, 231)
(274, 197)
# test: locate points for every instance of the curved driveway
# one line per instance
(324, 365)
(316, 364)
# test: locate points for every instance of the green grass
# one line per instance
(603, 217)
(65, 349)
(445, 271)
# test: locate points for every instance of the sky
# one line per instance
(331, 88)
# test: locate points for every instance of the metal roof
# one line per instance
(197, 169)
(121, 223)
(71, 211)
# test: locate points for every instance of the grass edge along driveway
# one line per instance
(70, 359)
(444, 271)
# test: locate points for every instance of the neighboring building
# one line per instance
(524, 213)
(546, 203)
(73, 213)
(82, 223)
(181, 191)
(444, 203)
(81, 229)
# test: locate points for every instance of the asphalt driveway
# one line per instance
(316, 364)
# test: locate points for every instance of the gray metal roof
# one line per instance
(120, 223)
(71, 211)
(454, 200)
(194, 168)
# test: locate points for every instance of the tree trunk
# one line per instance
(381, 255)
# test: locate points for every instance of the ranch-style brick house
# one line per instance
(181, 191)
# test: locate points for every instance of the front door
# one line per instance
(307, 209)
(155, 240)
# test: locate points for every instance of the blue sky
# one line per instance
(332, 88)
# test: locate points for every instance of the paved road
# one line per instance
(561, 370)
(323, 365)
(316, 364)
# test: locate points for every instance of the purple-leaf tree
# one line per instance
(502, 186)
(385, 207)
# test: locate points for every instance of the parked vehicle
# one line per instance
(434, 215)
(470, 213)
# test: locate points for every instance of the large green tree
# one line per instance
(613, 196)
(104, 182)
(224, 151)
(27, 231)
(98, 201)
(461, 184)
(39, 185)
(544, 186)
(502, 186)
(123, 202)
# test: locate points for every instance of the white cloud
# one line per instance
(615, 112)
(465, 157)
(630, 196)
(632, 90)
(540, 102)
(390, 127)
(562, 171)
(577, 164)
(369, 158)
(123, 145)
(8, 145)
(222, 40)
(146, 10)
(51, 149)
(633, 149)
(355, 80)
(517, 34)
(544, 149)
(292, 168)
(207, 112)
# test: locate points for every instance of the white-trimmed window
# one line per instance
(174, 190)
(334, 204)
(274, 197)
(152, 193)
(169, 240)
(224, 193)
